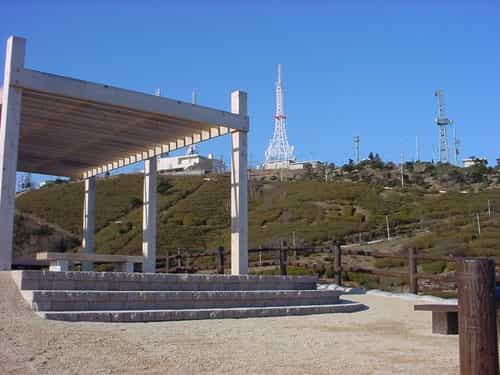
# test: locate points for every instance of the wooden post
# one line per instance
(283, 270)
(388, 228)
(338, 263)
(167, 261)
(332, 259)
(260, 256)
(477, 317)
(179, 259)
(220, 260)
(412, 265)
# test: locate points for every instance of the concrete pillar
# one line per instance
(149, 216)
(10, 122)
(239, 190)
(88, 242)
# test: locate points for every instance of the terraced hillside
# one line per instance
(193, 213)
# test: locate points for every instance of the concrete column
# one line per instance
(10, 122)
(88, 242)
(239, 190)
(149, 216)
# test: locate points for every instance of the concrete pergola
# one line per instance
(66, 127)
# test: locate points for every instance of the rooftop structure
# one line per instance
(472, 161)
(190, 164)
(66, 127)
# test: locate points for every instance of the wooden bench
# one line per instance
(61, 261)
(445, 318)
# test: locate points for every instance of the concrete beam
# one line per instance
(88, 241)
(10, 122)
(239, 190)
(149, 215)
(93, 92)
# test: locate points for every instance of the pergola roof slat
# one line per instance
(77, 128)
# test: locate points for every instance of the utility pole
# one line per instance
(456, 144)
(417, 151)
(356, 147)
(402, 170)
(388, 228)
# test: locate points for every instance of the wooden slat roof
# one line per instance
(77, 128)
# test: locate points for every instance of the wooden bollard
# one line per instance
(477, 317)
(179, 259)
(338, 263)
(332, 259)
(283, 270)
(220, 260)
(167, 261)
(412, 265)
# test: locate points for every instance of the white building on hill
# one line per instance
(190, 164)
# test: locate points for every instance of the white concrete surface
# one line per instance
(88, 240)
(10, 122)
(239, 190)
(149, 215)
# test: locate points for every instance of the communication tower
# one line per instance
(279, 152)
(443, 122)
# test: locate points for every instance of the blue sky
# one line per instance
(365, 68)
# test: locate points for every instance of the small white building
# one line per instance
(472, 161)
(190, 164)
(290, 164)
(302, 164)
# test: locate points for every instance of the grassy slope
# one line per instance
(194, 213)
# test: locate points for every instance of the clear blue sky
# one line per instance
(350, 67)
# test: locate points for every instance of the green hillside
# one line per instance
(193, 213)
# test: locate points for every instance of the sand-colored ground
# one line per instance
(388, 338)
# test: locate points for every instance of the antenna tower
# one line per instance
(443, 122)
(192, 148)
(279, 150)
(356, 146)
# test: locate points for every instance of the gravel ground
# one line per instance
(388, 338)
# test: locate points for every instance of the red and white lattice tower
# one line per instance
(279, 153)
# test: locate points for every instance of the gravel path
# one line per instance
(388, 338)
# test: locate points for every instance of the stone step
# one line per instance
(123, 281)
(160, 300)
(195, 314)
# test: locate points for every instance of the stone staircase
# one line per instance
(144, 297)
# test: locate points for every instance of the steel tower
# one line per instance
(443, 122)
(279, 152)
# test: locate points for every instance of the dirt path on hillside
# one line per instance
(389, 338)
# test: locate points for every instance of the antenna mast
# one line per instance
(456, 144)
(192, 148)
(279, 152)
(417, 150)
(443, 122)
(356, 146)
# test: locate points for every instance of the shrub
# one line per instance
(135, 202)
(43, 230)
(164, 186)
(434, 267)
